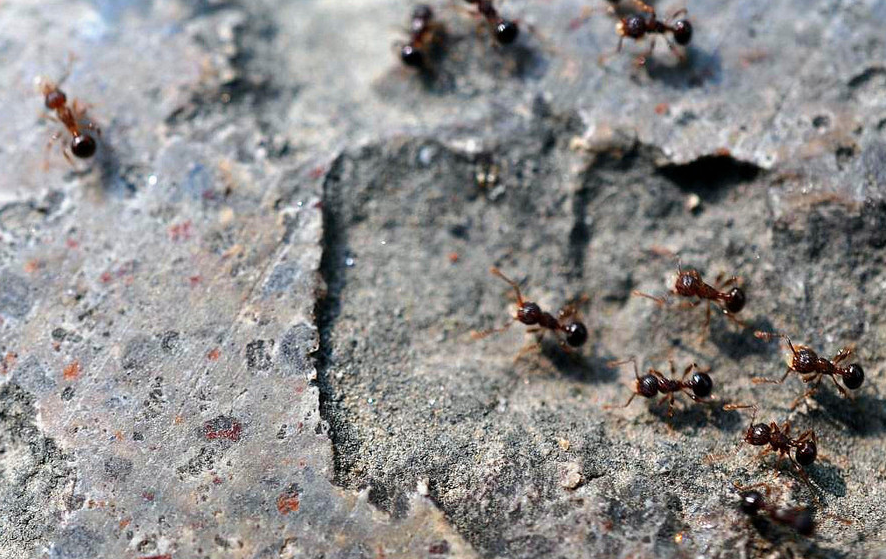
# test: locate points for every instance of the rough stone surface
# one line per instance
(244, 328)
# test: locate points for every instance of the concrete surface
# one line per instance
(243, 328)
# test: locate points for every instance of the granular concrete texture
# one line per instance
(244, 328)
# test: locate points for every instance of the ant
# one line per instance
(778, 439)
(698, 387)
(812, 368)
(690, 284)
(83, 145)
(422, 32)
(575, 334)
(636, 26)
(504, 30)
(752, 502)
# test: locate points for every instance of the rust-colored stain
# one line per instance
(71, 370)
(232, 433)
(180, 231)
(317, 172)
(148, 496)
(287, 502)
(32, 266)
(662, 109)
(178, 420)
(164, 556)
(213, 354)
(195, 280)
(118, 435)
(72, 244)
(8, 362)
(125, 522)
(453, 257)
(106, 277)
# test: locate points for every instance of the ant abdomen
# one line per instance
(701, 384)
(806, 453)
(682, 30)
(576, 334)
(853, 376)
(83, 146)
(734, 300)
(647, 386)
(411, 56)
(506, 32)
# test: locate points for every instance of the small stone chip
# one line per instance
(570, 475)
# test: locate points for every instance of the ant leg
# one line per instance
(660, 301)
(641, 60)
(765, 380)
(843, 391)
(496, 272)
(843, 354)
(632, 360)
(735, 320)
(628, 403)
(529, 347)
(644, 7)
(802, 398)
(586, 14)
(601, 60)
(479, 335)
(675, 50)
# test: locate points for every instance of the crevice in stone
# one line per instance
(709, 176)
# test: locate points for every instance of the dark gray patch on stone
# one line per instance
(258, 354)
(15, 295)
(140, 353)
(118, 468)
(32, 375)
(296, 346)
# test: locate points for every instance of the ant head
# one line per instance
(682, 31)
(55, 98)
(805, 360)
(632, 26)
(806, 453)
(758, 434)
(83, 146)
(647, 386)
(506, 32)
(529, 313)
(752, 502)
(687, 283)
(701, 384)
(853, 376)
(411, 56)
(735, 300)
(423, 12)
(576, 334)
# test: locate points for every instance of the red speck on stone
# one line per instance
(213, 354)
(71, 243)
(71, 370)
(180, 231)
(318, 204)
(439, 548)
(299, 389)
(662, 108)
(302, 462)
(164, 556)
(195, 280)
(106, 277)
(317, 172)
(453, 257)
(288, 502)
(217, 480)
(148, 496)
(8, 362)
(233, 432)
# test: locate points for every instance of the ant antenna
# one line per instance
(495, 271)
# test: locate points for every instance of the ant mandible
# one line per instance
(698, 387)
(636, 26)
(574, 332)
(778, 439)
(690, 284)
(812, 368)
(83, 145)
(753, 502)
(422, 32)
(504, 30)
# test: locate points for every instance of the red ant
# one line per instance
(422, 33)
(690, 284)
(504, 30)
(83, 145)
(812, 368)
(778, 439)
(698, 387)
(574, 331)
(636, 26)
(799, 519)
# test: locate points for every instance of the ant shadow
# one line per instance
(700, 68)
(828, 477)
(779, 536)
(865, 414)
(738, 344)
(690, 414)
(578, 367)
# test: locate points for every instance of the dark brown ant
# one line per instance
(504, 30)
(422, 32)
(698, 387)
(574, 332)
(637, 26)
(83, 145)
(690, 284)
(753, 502)
(812, 368)
(778, 439)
